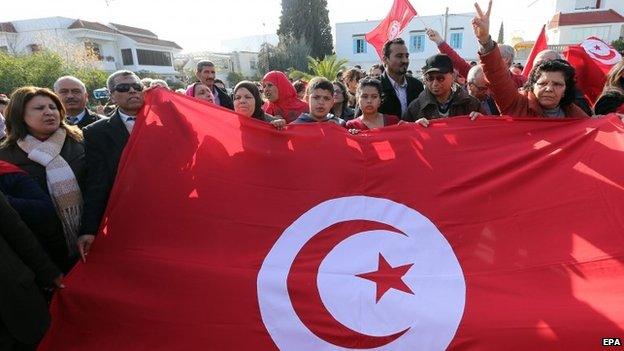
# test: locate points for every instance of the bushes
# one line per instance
(42, 69)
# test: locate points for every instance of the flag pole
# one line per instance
(421, 21)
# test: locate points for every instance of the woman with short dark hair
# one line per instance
(40, 142)
(549, 91)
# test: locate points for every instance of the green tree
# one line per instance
(308, 19)
(501, 34)
(42, 69)
(234, 77)
(618, 44)
(328, 68)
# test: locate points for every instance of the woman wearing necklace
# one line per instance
(369, 99)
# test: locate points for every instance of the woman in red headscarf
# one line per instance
(282, 97)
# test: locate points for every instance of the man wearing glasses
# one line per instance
(479, 87)
(104, 142)
(442, 97)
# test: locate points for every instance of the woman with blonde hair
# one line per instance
(612, 97)
(42, 143)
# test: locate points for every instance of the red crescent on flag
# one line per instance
(607, 57)
(302, 282)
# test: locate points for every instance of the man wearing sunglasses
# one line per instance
(442, 97)
(104, 142)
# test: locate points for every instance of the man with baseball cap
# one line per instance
(442, 97)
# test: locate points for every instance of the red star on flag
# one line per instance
(387, 277)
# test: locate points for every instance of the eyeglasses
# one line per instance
(125, 87)
(439, 77)
(480, 88)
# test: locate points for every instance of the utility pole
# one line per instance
(446, 15)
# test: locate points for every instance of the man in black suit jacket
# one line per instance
(104, 142)
(73, 94)
(398, 89)
(24, 269)
(206, 73)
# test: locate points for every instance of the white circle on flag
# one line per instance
(601, 52)
(428, 315)
(393, 29)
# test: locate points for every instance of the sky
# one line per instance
(203, 25)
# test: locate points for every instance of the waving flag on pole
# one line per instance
(392, 26)
(592, 59)
(540, 45)
(225, 234)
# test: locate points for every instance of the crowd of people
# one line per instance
(59, 159)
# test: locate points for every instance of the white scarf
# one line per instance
(61, 181)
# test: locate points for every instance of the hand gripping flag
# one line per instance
(540, 45)
(391, 27)
(592, 59)
(223, 233)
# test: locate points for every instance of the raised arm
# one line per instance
(458, 62)
(504, 89)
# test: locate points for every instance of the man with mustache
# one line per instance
(398, 89)
(206, 73)
(104, 142)
(73, 94)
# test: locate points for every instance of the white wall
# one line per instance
(608, 32)
(346, 31)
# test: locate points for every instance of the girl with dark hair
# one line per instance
(341, 107)
(369, 99)
(549, 92)
(247, 102)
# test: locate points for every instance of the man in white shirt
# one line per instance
(73, 94)
(398, 89)
(104, 142)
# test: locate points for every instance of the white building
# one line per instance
(112, 46)
(572, 21)
(351, 45)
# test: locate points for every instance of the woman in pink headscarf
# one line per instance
(282, 97)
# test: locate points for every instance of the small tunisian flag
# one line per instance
(223, 233)
(540, 44)
(592, 60)
(391, 27)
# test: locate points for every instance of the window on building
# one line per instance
(417, 41)
(126, 57)
(359, 44)
(253, 64)
(580, 34)
(93, 51)
(456, 40)
(586, 4)
(153, 58)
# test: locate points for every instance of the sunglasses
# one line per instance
(125, 87)
(440, 78)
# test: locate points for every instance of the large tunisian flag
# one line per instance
(223, 233)
(592, 59)
(391, 27)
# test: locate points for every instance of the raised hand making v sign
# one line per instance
(481, 23)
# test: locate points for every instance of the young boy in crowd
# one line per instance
(321, 100)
